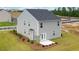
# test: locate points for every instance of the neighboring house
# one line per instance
(39, 24)
(14, 15)
(5, 16)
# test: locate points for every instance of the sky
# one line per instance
(21, 8)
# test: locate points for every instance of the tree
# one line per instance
(64, 12)
(67, 11)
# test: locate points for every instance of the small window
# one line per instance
(28, 24)
(58, 23)
(24, 31)
(24, 23)
(54, 33)
(41, 25)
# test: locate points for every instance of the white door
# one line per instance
(43, 36)
(31, 35)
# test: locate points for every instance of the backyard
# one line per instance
(10, 42)
(68, 42)
(7, 24)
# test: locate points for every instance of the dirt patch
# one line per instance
(75, 32)
(71, 27)
(71, 24)
(38, 47)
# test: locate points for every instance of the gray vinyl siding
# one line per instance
(49, 27)
(5, 16)
(14, 20)
(28, 19)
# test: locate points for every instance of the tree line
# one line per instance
(67, 11)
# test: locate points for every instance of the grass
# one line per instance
(7, 24)
(69, 42)
(10, 42)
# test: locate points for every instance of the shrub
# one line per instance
(14, 31)
(19, 35)
(23, 39)
(32, 42)
(28, 40)
(50, 45)
(61, 35)
(43, 46)
(56, 43)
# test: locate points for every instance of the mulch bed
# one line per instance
(36, 46)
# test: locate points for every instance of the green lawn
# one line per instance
(9, 41)
(7, 24)
(69, 42)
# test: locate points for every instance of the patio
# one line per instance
(46, 42)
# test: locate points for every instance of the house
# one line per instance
(39, 24)
(5, 16)
(14, 15)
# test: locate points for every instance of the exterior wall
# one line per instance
(14, 20)
(5, 16)
(49, 27)
(27, 18)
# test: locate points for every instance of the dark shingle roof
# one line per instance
(42, 14)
